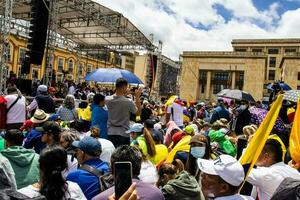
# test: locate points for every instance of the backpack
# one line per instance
(105, 180)
(289, 188)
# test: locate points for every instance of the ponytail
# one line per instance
(150, 142)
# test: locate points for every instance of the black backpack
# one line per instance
(289, 189)
(105, 180)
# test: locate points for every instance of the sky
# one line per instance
(209, 25)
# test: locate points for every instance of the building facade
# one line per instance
(66, 63)
(251, 65)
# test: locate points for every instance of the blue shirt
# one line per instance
(88, 182)
(99, 119)
(34, 140)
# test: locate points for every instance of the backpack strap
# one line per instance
(95, 172)
(17, 99)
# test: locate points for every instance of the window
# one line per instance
(272, 75)
(71, 66)
(70, 77)
(59, 77)
(8, 51)
(290, 50)
(218, 87)
(35, 74)
(80, 69)
(221, 76)
(88, 68)
(256, 50)
(60, 66)
(298, 76)
(241, 50)
(202, 80)
(272, 62)
(298, 87)
(273, 51)
(22, 54)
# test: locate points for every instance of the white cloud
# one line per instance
(170, 21)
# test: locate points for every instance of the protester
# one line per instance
(50, 133)
(42, 101)
(23, 161)
(66, 139)
(179, 184)
(119, 110)
(200, 148)
(146, 111)
(106, 145)
(219, 112)
(16, 112)
(8, 172)
(142, 138)
(148, 172)
(172, 128)
(33, 138)
(271, 170)
(100, 115)
(133, 155)
(175, 113)
(85, 114)
(222, 178)
(161, 150)
(242, 116)
(88, 152)
(67, 111)
(52, 161)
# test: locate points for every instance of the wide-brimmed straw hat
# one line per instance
(39, 116)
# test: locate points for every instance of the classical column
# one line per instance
(233, 80)
(208, 82)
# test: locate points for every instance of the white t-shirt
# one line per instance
(74, 191)
(107, 149)
(148, 173)
(267, 179)
(17, 113)
(178, 113)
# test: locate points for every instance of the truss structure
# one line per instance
(5, 21)
(76, 25)
(90, 25)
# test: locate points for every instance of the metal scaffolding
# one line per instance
(5, 22)
(82, 25)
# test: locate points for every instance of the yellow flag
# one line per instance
(295, 136)
(260, 137)
(182, 145)
(171, 100)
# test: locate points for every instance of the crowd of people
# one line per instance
(177, 149)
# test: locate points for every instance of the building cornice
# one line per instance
(265, 41)
(222, 54)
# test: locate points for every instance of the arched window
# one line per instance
(71, 66)
(9, 49)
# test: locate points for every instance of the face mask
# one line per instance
(198, 152)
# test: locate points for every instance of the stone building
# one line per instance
(251, 65)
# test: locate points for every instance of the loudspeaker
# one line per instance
(38, 30)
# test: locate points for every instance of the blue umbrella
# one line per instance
(282, 85)
(110, 75)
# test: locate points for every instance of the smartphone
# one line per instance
(123, 177)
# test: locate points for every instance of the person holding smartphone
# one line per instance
(132, 155)
(119, 110)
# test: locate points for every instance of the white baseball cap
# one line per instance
(225, 166)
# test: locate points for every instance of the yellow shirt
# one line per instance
(85, 113)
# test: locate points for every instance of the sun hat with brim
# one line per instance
(39, 116)
(89, 145)
(200, 139)
(224, 166)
